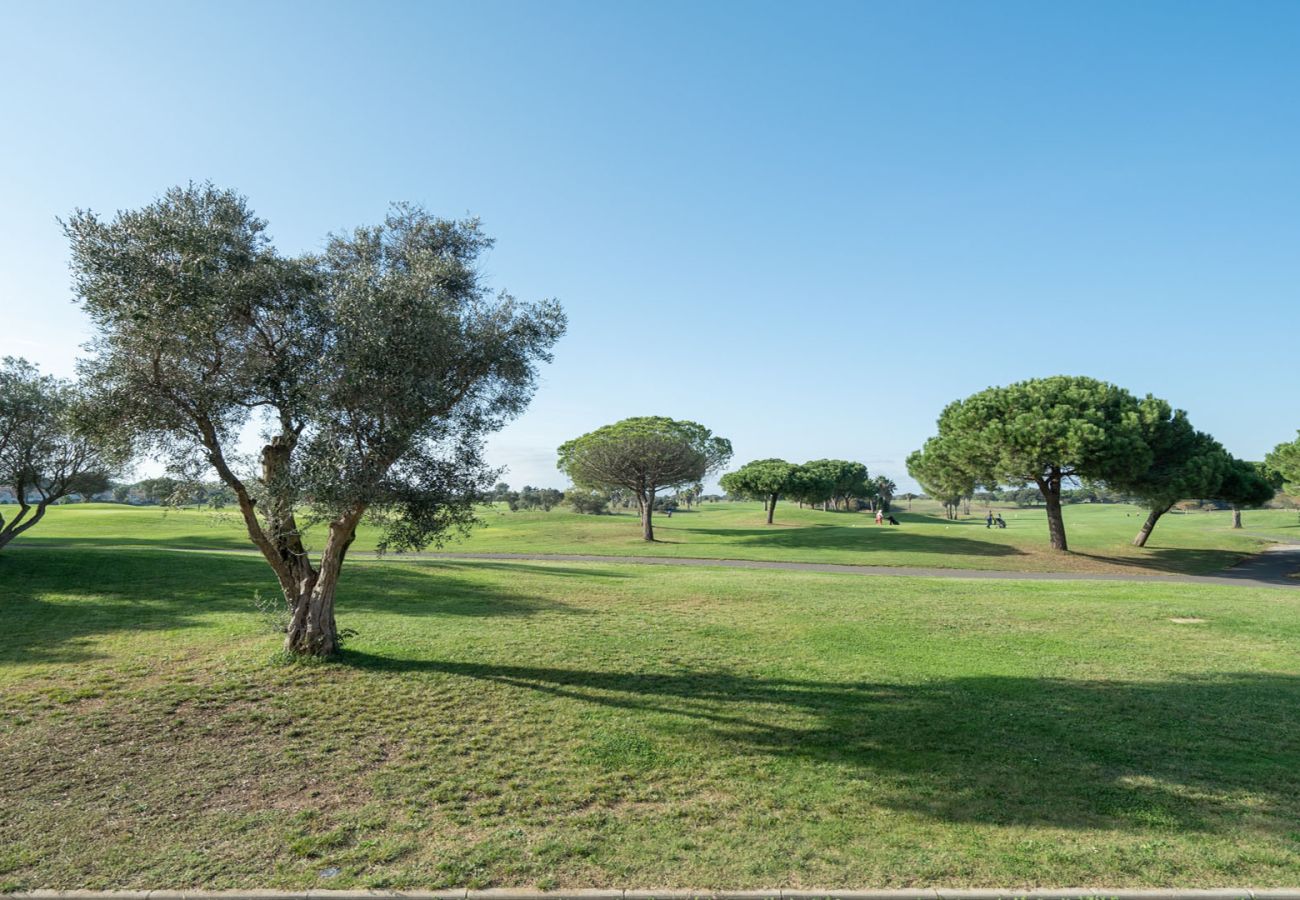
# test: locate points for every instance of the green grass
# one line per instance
(566, 725)
(1195, 543)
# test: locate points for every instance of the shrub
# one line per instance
(588, 502)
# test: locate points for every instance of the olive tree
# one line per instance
(373, 369)
(762, 479)
(45, 454)
(642, 456)
(1045, 432)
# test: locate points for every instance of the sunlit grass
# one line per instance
(497, 723)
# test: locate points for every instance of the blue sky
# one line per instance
(806, 225)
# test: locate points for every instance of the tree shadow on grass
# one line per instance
(1174, 560)
(821, 536)
(55, 603)
(438, 588)
(1192, 755)
(214, 541)
(452, 565)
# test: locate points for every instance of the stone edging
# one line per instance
(632, 894)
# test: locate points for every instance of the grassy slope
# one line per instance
(564, 725)
(1099, 536)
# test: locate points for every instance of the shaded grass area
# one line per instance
(572, 725)
(1100, 535)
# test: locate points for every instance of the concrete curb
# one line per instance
(635, 894)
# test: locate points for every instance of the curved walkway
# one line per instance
(1271, 568)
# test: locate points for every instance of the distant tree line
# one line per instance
(168, 491)
(528, 497)
(589, 501)
(1032, 496)
(837, 484)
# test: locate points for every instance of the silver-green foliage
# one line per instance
(374, 369)
(46, 455)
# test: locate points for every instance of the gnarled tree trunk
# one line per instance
(308, 592)
(771, 507)
(20, 523)
(1236, 517)
(312, 630)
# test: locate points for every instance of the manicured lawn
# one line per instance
(589, 725)
(1195, 543)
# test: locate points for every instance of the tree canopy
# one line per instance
(940, 477)
(45, 452)
(812, 484)
(643, 455)
(1284, 459)
(831, 482)
(763, 479)
(373, 368)
(1042, 431)
(1245, 484)
(1183, 463)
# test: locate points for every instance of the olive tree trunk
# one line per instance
(20, 523)
(771, 507)
(312, 630)
(308, 591)
(1236, 517)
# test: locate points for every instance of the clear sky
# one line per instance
(806, 225)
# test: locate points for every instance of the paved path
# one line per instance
(1272, 568)
(1268, 569)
